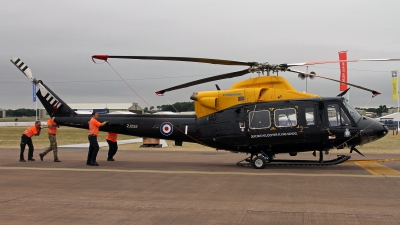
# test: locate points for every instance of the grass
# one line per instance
(11, 136)
(386, 145)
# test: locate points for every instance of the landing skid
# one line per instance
(340, 159)
(245, 162)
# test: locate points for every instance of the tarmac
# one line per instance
(189, 187)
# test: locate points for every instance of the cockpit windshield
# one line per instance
(356, 116)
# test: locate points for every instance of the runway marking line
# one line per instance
(376, 168)
(373, 160)
(201, 172)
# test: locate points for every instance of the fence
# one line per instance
(18, 124)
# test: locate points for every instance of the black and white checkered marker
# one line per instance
(24, 68)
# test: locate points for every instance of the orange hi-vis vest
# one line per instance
(32, 130)
(112, 137)
(94, 127)
(51, 127)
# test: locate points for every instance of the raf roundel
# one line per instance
(166, 128)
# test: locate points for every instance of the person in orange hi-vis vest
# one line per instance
(94, 125)
(52, 131)
(112, 145)
(26, 139)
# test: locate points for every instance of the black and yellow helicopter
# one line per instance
(262, 116)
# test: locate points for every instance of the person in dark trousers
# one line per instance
(94, 125)
(52, 131)
(112, 145)
(26, 139)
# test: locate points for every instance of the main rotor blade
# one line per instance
(205, 80)
(337, 61)
(374, 93)
(184, 59)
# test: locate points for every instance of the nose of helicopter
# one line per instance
(372, 130)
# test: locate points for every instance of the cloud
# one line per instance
(57, 38)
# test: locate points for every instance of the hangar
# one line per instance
(391, 120)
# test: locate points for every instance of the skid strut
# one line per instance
(249, 160)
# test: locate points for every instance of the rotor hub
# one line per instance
(262, 67)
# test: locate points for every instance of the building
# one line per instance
(392, 110)
(361, 111)
(101, 108)
(392, 120)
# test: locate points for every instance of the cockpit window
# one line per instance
(353, 113)
(345, 119)
(336, 116)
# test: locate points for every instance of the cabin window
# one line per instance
(336, 116)
(310, 120)
(259, 119)
(285, 118)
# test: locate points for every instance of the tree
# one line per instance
(179, 106)
(146, 110)
(9, 113)
(20, 112)
(381, 109)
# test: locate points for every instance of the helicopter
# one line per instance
(262, 116)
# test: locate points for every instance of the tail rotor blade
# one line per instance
(23, 68)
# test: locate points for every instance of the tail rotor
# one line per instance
(51, 102)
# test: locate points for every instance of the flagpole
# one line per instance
(395, 88)
(36, 111)
(348, 93)
(34, 98)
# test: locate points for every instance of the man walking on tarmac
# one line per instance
(52, 131)
(112, 145)
(93, 144)
(26, 139)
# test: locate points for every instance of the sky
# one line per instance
(56, 39)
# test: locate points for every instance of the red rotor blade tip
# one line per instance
(375, 93)
(102, 57)
(160, 93)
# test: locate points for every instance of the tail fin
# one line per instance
(51, 102)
